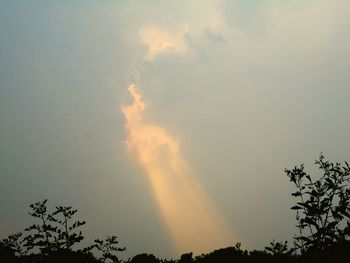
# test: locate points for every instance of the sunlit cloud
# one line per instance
(209, 20)
(189, 215)
(162, 42)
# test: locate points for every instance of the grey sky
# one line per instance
(249, 88)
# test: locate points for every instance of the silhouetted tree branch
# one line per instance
(324, 206)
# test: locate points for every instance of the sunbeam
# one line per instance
(192, 220)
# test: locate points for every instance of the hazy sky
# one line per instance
(245, 87)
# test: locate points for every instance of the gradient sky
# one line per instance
(248, 88)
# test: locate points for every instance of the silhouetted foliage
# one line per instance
(224, 255)
(323, 210)
(41, 235)
(277, 248)
(65, 256)
(144, 258)
(66, 235)
(7, 253)
(108, 247)
(54, 236)
(55, 231)
(186, 258)
(15, 242)
(322, 213)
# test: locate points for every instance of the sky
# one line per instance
(222, 97)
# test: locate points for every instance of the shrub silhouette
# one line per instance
(322, 213)
(278, 248)
(7, 251)
(66, 235)
(107, 247)
(323, 210)
(55, 230)
(144, 258)
(54, 236)
(186, 258)
(227, 254)
(15, 243)
(41, 235)
(65, 256)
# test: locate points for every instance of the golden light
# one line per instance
(189, 215)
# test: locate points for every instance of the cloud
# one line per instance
(176, 39)
(162, 42)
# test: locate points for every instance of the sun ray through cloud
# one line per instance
(191, 218)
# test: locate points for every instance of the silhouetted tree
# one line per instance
(66, 235)
(323, 210)
(144, 258)
(108, 247)
(186, 258)
(278, 248)
(15, 242)
(55, 230)
(7, 254)
(228, 254)
(43, 234)
(322, 213)
(53, 236)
